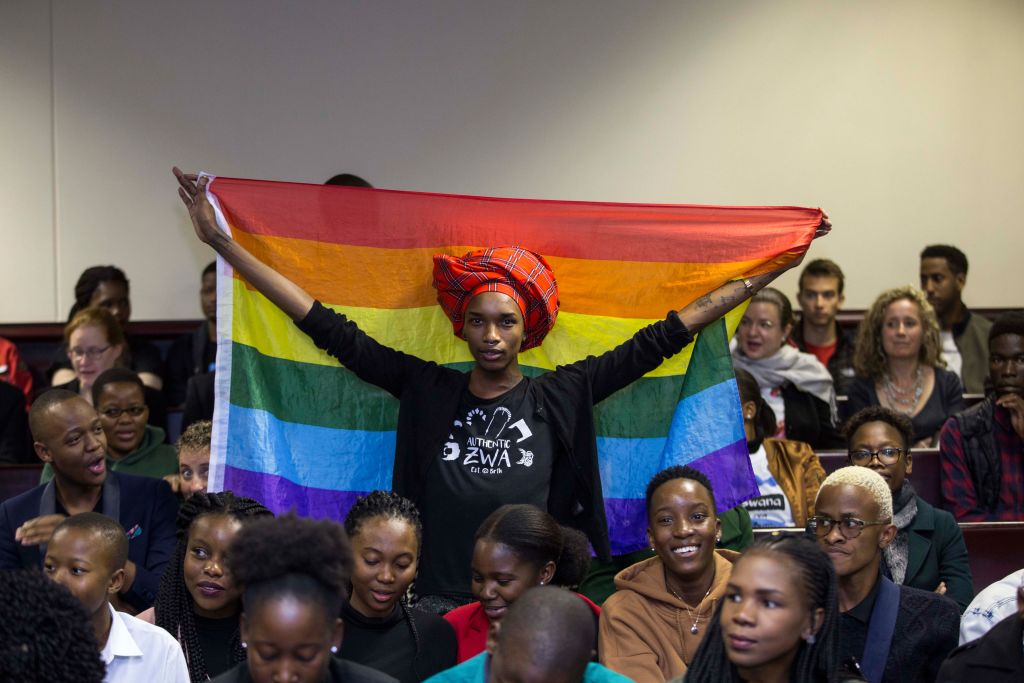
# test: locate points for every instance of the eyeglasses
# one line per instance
(114, 413)
(92, 353)
(849, 527)
(886, 456)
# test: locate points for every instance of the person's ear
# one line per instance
(547, 572)
(910, 462)
(785, 332)
(116, 582)
(961, 280)
(817, 620)
(749, 410)
(718, 529)
(650, 538)
(887, 536)
(338, 635)
(842, 300)
(42, 452)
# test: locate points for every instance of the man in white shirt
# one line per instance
(993, 604)
(87, 554)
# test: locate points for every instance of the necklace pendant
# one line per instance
(694, 629)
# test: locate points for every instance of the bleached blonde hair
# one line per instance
(865, 478)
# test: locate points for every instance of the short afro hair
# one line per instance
(677, 472)
(48, 400)
(863, 478)
(955, 258)
(1007, 323)
(898, 421)
(116, 376)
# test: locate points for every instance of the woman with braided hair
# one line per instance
(779, 621)
(199, 600)
(295, 574)
(381, 630)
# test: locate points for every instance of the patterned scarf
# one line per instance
(897, 554)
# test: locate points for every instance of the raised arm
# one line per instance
(284, 293)
(713, 306)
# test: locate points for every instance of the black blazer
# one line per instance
(144, 506)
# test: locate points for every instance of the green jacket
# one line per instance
(153, 458)
(971, 338)
(937, 552)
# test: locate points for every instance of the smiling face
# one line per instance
(193, 469)
(902, 331)
(90, 353)
(1006, 364)
(125, 431)
(500, 576)
(764, 617)
(819, 299)
(207, 578)
(289, 639)
(682, 528)
(942, 287)
(493, 330)
(113, 296)
(78, 560)
(761, 333)
(385, 551)
(72, 441)
(855, 556)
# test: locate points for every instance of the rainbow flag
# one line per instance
(296, 430)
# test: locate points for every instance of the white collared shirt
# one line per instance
(137, 652)
(990, 606)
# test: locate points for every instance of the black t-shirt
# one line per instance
(388, 644)
(217, 638)
(497, 452)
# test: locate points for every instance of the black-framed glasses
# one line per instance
(114, 413)
(849, 527)
(886, 456)
(92, 353)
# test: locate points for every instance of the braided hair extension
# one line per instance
(45, 634)
(390, 505)
(174, 605)
(814, 662)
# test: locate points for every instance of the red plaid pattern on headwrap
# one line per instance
(519, 273)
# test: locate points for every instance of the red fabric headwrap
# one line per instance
(521, 274)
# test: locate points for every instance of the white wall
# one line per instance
(901, 119)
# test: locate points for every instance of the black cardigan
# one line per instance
(429, 396)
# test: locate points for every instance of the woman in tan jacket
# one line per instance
(788, 472)
(651, 627)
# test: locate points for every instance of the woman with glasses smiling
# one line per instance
(95, 344)
(133, 446)
(928, 551)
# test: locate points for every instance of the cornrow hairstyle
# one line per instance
(955, 259)
(90, 280)
(764, 420)
(814, 662)
(45, 634)
(535, 537)
(303, 558)
(677, 472)
(115, 376)
(770, 295)
(109, 531)
(390, 505)
(174, 605)
(1007, 323)
(197, 436)
(898, 421)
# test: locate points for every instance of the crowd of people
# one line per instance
(148, 575)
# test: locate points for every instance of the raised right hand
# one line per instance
(193, 193)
